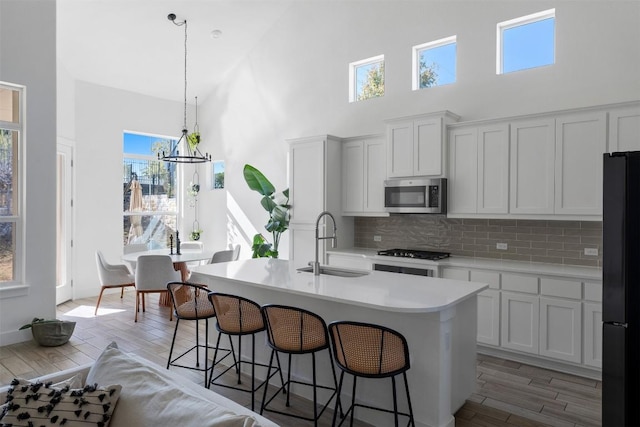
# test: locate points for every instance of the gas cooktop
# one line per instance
(411, 253)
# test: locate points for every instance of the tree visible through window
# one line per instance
(150, 208)
(434, 63)
(11, 132)
(366, 79)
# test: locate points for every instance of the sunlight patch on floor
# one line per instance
(87, 311)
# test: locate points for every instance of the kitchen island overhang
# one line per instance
(437, 316)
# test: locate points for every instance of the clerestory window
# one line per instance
(434, 63)
(366, 78)
(526, 42)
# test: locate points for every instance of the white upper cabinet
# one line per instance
(581, 140)
(352, 177)
(415, 146)
(624, 128)
(493, 169)
(532, 166)
(463, 170)
(479, 169)
(364, 172)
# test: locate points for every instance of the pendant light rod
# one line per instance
(191, 141)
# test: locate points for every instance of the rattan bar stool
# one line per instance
(293, 330)
(239, 316)
(370, 351)
(190, 302)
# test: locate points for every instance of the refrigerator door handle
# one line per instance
(624, 325)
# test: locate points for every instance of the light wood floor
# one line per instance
(508, 393)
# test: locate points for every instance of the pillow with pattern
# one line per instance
(40, 404)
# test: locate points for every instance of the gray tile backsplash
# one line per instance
(557, 242)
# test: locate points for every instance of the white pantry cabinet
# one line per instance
(624, 128)
(415, 145)
(315, 174)
(479, 169)
(364, 172)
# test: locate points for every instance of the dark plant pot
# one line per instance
(52, 334)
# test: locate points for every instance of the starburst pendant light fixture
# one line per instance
(191, 140)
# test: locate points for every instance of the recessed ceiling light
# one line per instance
(216, 34)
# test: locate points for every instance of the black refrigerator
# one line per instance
(621, 290)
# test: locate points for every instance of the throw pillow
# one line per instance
(36, 403)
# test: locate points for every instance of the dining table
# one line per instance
(179, 263)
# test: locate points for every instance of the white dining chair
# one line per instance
(223, 256)
(131, 248)
(192, 246)
(112, 276)
(153, 272)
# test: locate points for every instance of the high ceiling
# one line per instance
(131, 45)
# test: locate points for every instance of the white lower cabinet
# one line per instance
(560, 329)
(520, 322)
(489, 317)
(593, 334)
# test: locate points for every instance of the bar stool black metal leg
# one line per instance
(395, 400)
(253, 371)
(239, 365)
(335, 383)
(338, 391)
(215, 355)
(264, 392)
(289, 381)
(206, 349)
(406, 386)
(197, 344)
(173, 341)
(353, 400)
(315, 392)
(280, 371)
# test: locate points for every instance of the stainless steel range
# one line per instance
(411, 253)
(427, 269)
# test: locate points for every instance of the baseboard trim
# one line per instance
(581, 371)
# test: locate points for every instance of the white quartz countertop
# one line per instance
(380, 290)
(567, 271)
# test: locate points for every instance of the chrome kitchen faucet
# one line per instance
(334, 239)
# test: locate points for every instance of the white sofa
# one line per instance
(154, 396)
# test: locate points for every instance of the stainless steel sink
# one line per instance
(334, 271)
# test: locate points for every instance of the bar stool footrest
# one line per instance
(360, 405)
(236, 365)
(195, 368)
(284, 388)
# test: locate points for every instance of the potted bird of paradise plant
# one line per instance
(277, 204)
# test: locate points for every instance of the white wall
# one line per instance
(295, 82)
(102, 115)
(27, 57)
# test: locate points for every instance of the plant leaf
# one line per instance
(268, 204)
(257, 181)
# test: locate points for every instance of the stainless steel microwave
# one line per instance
(416, 195)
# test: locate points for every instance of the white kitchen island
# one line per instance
(437, 316)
